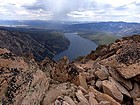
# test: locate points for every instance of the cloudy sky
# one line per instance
(82, 10)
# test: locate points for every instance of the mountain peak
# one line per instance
(108, 75)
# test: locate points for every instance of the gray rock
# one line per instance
(82, 80)
(104, 103)
(99, 84)
(69, 100)
(111, 89)
(120, 87)
(102, 72)
(103, 97)
(92, 100)
(81, 97)
(135, 93)
(124, 82)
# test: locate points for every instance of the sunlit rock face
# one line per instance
(105, 78)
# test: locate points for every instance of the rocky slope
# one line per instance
(40, 43)
(110, 75)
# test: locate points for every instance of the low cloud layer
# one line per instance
(74, 10)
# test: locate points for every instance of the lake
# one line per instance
(78, 47)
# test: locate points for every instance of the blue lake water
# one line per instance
(78, 47)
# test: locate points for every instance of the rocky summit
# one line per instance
(110, 75)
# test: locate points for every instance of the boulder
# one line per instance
(103, 68)
(135, 93)
(120, 87)
(101, 71)
(124, 82)
(82, 80)
(98, 84)
(101, 74)
(104, 103)
(103, 97)
(81, 98)
(111, 89)
(92, 100)
(83, 89)
(69, 100)
(129, 71)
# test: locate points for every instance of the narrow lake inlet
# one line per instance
(78, 47)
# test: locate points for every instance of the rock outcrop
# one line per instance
(107, 76)
(21, 83)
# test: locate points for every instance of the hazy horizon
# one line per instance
(71, 10)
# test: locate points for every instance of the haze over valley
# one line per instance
(49, 33)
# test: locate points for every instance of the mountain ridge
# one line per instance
(107, 76)
(41, 43)
(99, 32)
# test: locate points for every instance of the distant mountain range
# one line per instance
(114, 28)
(45, 38)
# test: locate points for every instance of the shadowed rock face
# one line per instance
(107, 76)
(24, 43)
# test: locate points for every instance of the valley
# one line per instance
(51, 40)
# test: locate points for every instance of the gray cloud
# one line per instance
(60, 5)
(124, 7)
(35, 6)
(99, 10)
(63, 9)
(60, 8)
(137, 4)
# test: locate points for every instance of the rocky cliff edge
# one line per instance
(110, 75)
